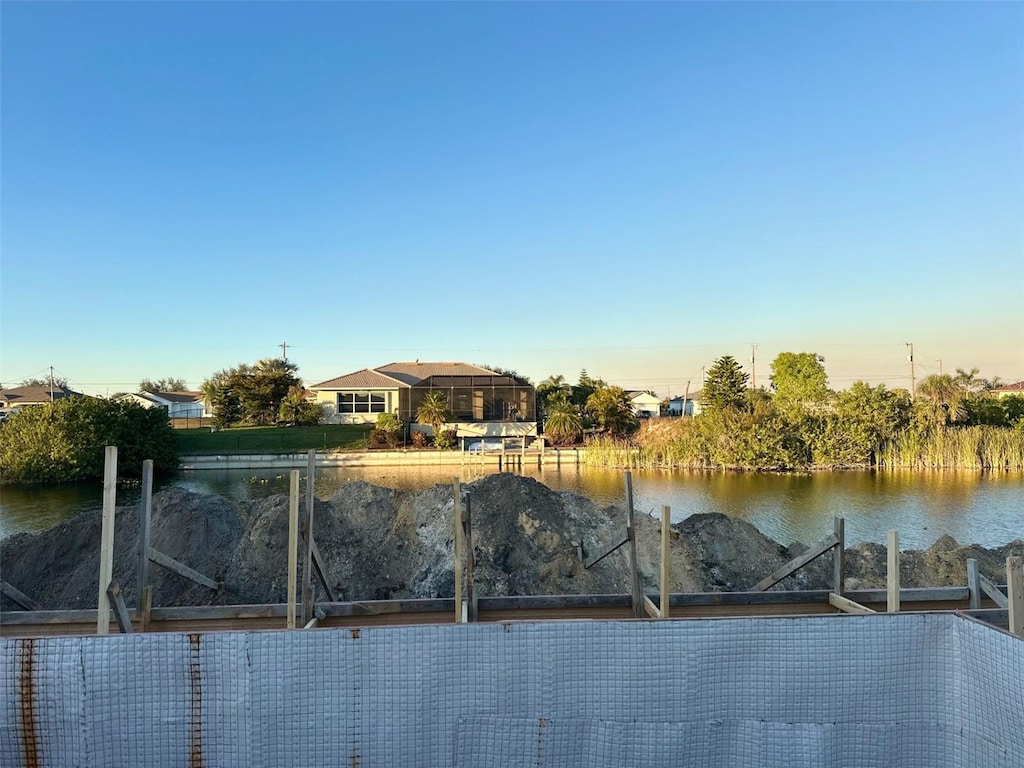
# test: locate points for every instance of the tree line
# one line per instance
(952, 420)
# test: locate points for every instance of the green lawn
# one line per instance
(200, 442)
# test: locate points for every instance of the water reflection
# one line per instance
(972, 507)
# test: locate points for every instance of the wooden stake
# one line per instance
(666, 531)
(638, 606)
(893, 573)
(838, 557)
(973, 585)
(145, 515)
(293, 544)
(107, 538)
(1015, 594)
(457, 547)
(307, 559)
(146, 609)
(467, 540)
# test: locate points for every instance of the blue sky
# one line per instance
(634, 189)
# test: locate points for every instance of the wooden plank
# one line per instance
(1015, 594)
(145, 529)
(666, 534)
(847, 605)
(321, 571)
(651, 609)
(293, 545)
(457, 547)
(994, 593)
(839, 556)
(168, 562)
(124, 622)
(18, 596)
(307, 539)
(973, 588)
(636, 591)
(892, 580)
(146, 609)
(107, 538)
(796, 564)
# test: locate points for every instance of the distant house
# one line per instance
(20, 397)
(645, 405)
(482, 402)
(688, 406)
(178, 405)
(1009, 389)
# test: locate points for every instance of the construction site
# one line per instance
(496, 622)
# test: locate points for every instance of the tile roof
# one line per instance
(34, 394)
(1015, 387)
(402, 375)
(177, 397)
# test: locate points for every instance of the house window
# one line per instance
(360, 402)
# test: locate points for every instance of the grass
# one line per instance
(248, 440)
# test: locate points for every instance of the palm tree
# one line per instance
(563, 424)
(434, 410)
(939, 401)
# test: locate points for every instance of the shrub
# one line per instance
(378, 438)
(419, 439)
(65, 440)
(446, 439)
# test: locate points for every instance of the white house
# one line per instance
(645, 405)
(688, 406)
(178, 405)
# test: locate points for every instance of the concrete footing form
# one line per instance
(881, 690)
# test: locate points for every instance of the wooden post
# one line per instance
(638, 606)
(973, 585)
(145, 514)
(666, 530)
(1015, 594)
(467, 539)
(293, 544)
(146, 609)
(457, 548)
(307, 559)
(838, 570)
(107, 538)
(893, 573)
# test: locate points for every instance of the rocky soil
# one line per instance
(378, 543)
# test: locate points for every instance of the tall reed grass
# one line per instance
(979, 447)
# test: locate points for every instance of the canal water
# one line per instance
(972, 507)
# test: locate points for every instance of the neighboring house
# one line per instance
(1008, 389)
(482, 402)
(20, 397)
(645, 405)
(178, 405)
(690, 406)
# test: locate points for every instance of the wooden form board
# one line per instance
(107, 538)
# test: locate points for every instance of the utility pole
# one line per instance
(910, 359)
(940, 366)
(753, 367)
(51, 383)
(284, 351)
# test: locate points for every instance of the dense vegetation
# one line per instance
(799, 423)
(258, 395)
(65, 440)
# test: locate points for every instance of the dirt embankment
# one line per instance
(378, 543)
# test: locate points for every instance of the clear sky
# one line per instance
(631, 188)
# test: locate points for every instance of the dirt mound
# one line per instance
(378, 543)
